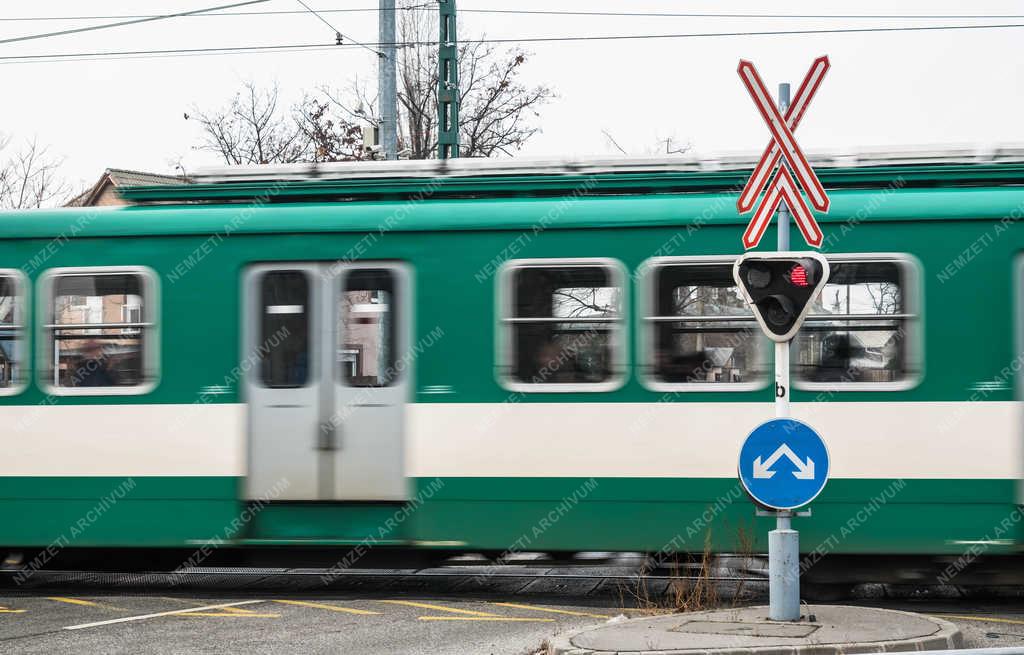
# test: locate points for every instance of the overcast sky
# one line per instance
(884, 89)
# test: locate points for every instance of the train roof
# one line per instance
(446, 196)
(492, 177)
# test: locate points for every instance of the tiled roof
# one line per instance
(121, 177)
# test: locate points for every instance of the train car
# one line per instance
(498, 357)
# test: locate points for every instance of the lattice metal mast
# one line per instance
(447, 83)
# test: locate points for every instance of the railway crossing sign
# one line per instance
(782, 155)
(784, 464)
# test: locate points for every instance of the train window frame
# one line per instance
(618, 342)
(400, 286)
(151, 346)
(21, 329)
(913, 306)
(259, 276)
(646, 326)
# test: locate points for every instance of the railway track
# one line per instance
(462, 577)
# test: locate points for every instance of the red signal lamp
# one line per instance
(798, 276)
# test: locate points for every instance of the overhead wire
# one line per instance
(123, 23)
(548, 39)
(337, 31)
(550, 12)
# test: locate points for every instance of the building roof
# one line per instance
(119, 178)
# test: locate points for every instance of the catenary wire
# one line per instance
(124, 23)
(551, 12)
(337, 31)
(546, 39)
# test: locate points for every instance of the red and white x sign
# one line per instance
(783, 146)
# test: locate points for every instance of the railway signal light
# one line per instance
(779, 286)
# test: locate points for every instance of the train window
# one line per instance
(12, 331)
(367, 324)
(284, 352)
(562, 325)
(699, 333)
(861, 332)
(100, 326)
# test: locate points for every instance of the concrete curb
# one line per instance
(944, 636)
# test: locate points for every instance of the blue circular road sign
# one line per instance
(784, 464)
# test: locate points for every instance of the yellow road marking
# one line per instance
(485, 618)
(143, 617)
(228, 615)
(325, 606)
(5, 610)
(990, 619)
(552, 610)
(226, 611)
(238, 610)
(86, 603)
(430, 606)
(73, 601)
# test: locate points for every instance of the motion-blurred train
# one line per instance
(498, 356)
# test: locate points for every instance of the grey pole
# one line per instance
(386, 89)
(783, 541)
(783, 216)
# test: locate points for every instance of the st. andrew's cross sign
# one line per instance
(781, 155)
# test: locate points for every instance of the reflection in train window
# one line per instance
(861, 328)
(12, 331)
(284, 336)
(366, 332)
(563, 324)
(701, 332)
(99, 329)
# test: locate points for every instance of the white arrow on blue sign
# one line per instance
(784, 464)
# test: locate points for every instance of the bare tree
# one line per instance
(496, 109)
(335, 127)
(252, 129)
(885, 297)
(29, 178)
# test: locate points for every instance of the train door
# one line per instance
(325, 383)
(371, 381)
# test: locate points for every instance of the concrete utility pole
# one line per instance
(447, 83)
(387, 81)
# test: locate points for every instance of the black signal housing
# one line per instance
(779, 287)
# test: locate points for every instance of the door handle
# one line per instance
(327, 436)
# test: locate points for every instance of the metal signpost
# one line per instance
(784, 463)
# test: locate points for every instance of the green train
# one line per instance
(499, 356)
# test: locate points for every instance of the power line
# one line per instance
(546, 39)
(697, 35)
(195, 52)
(337, 31)
(550, 12)
(134, 21)
(130, 54)
(701, 14)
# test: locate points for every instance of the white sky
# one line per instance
(889, 89)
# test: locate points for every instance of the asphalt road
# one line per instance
(237, 624)
(438, 615)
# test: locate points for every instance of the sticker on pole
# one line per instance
(783, 464)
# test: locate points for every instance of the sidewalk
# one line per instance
(835, 629)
